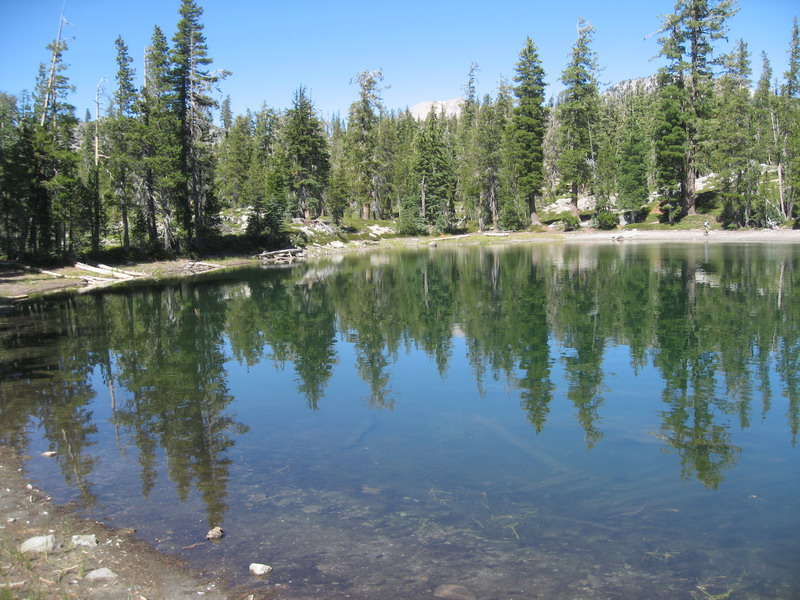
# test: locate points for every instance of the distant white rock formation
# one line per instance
(630, 86)
(451, 108)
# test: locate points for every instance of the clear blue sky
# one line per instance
(424, 48)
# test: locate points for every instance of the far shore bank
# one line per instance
(18, 284)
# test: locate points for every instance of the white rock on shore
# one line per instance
(40, 543)
(84, 540)
(98, 574)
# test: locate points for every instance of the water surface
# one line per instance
(560, 422)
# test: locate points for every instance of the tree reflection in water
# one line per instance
(713, 321)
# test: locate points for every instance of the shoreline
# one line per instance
(18, 285)
(91, 560)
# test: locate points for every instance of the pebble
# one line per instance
(104, 573)
(84, 540)
(215, 534)
(260, 570)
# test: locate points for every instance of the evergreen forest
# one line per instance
(165, 169)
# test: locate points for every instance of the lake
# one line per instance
(546, 421)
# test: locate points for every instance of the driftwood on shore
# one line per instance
(192, 266)
(109, 272)
(287, 255)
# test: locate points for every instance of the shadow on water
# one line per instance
(509, 420)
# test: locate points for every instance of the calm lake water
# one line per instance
(568, 421)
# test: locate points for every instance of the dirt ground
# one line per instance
(141, 573)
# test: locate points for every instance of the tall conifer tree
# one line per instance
(433, 173)
(193, 81)
(121, 152)
(158, 133)
(307, 152)
(528, 127)
(735, 154)
(687, 44)
(578, 111)
(362, 140)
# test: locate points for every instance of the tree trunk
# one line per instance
(534, 214)
(689, 193)
(96, 208)
(574, 199)
(495, 210)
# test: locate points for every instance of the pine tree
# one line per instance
(467, 176)
(86, 204)
(338, 191)
(687, 44)
(433, 174)
(489, 138)
(578, 112)
(268, 194)
(633, 188)
(157, 138)
(528, 127)
(791, 86)
(193, 81)
(362, 140)
(406, 130)
(790, 119)
(307, 152)
(56, 161)
(671, 145)
(12, 201)
(385, 156)
(120, 127)
(234, 155)
(607, 138)
(225, 114)
(735, 157)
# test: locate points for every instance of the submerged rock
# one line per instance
(452, 591)
(215, 534)
(40, 543)
(260, 570)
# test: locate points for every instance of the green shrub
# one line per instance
(606, 219)
(570, 221)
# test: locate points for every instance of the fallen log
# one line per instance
(102, 271)
(191, 265)
(284, 252)
(117, 270)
